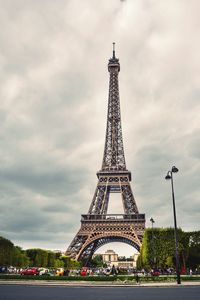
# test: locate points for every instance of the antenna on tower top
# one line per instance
(113, 50)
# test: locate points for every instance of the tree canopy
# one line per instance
(158, 249)
(11, 255)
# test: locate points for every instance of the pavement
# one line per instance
(97, 284)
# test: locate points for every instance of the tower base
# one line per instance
(97, 230)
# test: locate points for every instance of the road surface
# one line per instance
(22, 292)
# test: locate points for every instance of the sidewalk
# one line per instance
(97, 284)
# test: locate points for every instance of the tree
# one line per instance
(12, 255)
(51, 259)
(19, 258)
(42, 258)
(97, 261)
(158, 248)
(6, 252)
(66, 261)
(193, 260)
(16, 256)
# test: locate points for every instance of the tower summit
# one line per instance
(98, 227)
(113, 158)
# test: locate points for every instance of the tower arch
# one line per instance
(99, 241)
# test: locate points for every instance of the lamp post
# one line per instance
(152, 221)
(170, 176)
(152, 244)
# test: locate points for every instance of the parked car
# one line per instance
(3, 269)
(155, 273)
(30, 271)
(107, 271)
(84, 271)
(12, 270)
(60, 272)
(47, 274)
(43, 271)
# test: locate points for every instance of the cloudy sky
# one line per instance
(53, 106)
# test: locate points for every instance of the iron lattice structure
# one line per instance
(98, 227)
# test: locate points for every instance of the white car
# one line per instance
(43, 271)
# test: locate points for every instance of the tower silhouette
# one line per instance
(98, 227)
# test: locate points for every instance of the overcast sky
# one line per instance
(53, 106)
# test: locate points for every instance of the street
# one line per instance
(22, 292)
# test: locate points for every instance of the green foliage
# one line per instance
(58, 263)
(75, 264)
(66, 262)
(194, 250)
(12, 255)
(19, 258)
(6, 252)
(158, 249)
(49, 259)
(38, 257)
(97, 261)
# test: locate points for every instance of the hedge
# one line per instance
(122, 278)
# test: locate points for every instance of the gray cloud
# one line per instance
(54, 88)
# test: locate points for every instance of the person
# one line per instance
(66, 272)
(190, 272)
(113, 270)
(137, 278)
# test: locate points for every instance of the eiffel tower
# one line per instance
(98, 227)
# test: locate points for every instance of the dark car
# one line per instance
(30, 271)
(3, 269)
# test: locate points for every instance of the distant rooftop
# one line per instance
(110, 251)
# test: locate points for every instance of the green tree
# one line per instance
(97, 261)
(19, 257)
(66, 261)
(6, 252)
(158, 248)
(51, 259)
(58, 263)
(193, 260)
(41, 258)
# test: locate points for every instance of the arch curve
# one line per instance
(87, 252)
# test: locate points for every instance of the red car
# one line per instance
(30, 271)
(155, 273)
(84, 271)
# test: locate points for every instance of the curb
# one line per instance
(95, 284)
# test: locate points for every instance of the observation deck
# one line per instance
(113, 218)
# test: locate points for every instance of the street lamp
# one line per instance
(167, 177)
(152, 244)
(152, 221)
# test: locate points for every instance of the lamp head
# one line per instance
(168, 176)
(152, 220)
(174, 169)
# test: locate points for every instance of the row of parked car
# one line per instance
(43, 271)
(84, 271)
(32, 271)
